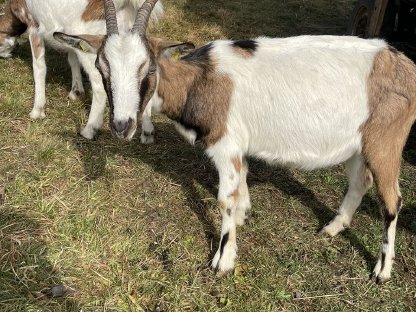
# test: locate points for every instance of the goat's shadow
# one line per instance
(187, 164)
(27, 276)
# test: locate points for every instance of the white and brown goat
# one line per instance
(41, 19)
(306, 102)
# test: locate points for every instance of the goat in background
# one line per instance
(41, 19)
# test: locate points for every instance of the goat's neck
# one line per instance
(176, 78)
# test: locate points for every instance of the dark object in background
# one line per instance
(393, 20)
(57, 291)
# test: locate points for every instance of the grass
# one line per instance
(133, 227)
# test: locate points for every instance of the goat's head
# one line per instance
(127, 63)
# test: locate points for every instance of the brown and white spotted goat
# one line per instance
(41, 19)
(307, 102)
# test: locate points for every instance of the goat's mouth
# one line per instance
(124, 130)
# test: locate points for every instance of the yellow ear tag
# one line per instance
(83, 46)
(176, 55)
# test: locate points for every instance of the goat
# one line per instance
(41, 19)
(306, 102)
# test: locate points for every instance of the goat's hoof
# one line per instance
(379, 278)
(332, 228)
(240, 218)
(147, 137)
(88, 133)
(75, 94)
(37, 114)
(224, 262)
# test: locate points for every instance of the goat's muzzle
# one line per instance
(123, 129)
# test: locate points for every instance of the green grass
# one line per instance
(133, 227)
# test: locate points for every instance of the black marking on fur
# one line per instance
(247, 45)
(147, 86)
(106, 81)
(379, 281)
(191, 126)
(399, 205)
(200, 56)
(144, 86)
(392, 49)
(229, 212)
(224, 241)
(383, 260)
(388, 219)
(147, 133)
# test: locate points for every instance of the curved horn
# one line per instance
(110, 17)
(143, 16)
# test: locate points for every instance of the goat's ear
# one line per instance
(168, 49)
(86, 43)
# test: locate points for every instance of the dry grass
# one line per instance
(132, 227)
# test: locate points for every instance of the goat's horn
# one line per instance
(110, 17)
(143, 16)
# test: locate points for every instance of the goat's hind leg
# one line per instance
(77, 88)
(388, 187)
(360, 180)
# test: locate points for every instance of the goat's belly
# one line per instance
(308, 154)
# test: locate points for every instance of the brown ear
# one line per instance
(86, 43)
(169, 49)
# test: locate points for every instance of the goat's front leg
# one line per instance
(228, 195)
(39, 73)
(99, 97)
(243, 201)
(148, 131)
(77, 88)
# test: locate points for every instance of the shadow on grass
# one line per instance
(24, 268)
(184, 164)
(169, 157)
(284, 180)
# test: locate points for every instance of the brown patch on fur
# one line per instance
(236, 163)
(94, 11)
(157, 45)
(13, 23)
(94, 40)
(392, 111)
(223, 207)
(36, 43)
(245, 48)
(20, 11)
(195, 96)
(235, 195)
(243, 52)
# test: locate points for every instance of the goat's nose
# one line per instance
(120, 126)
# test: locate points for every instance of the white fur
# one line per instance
(7, 47)
(123, 53)
(298, 102)
(303, 96)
